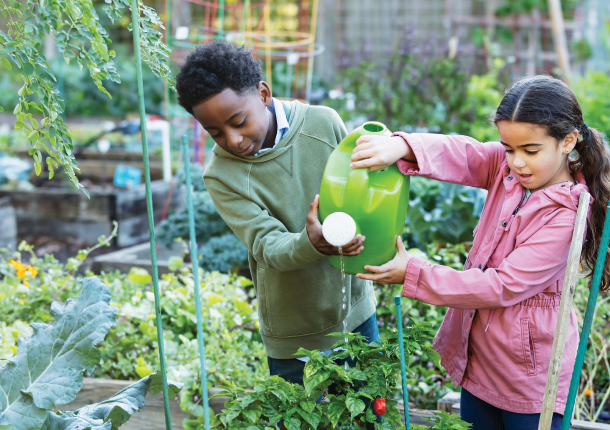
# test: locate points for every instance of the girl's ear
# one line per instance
(265, 93)
(570, 141)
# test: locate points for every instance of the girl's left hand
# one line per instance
(392, 272)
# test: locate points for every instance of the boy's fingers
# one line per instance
(353, 253)
(355, 243)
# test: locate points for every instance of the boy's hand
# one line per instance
(393, 272)
(377, 152)
(314, 231)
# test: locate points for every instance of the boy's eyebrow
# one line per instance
(524, 145)
(234, 115)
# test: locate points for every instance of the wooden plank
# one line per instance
(447, 401)
(559, 36)
(563, 317)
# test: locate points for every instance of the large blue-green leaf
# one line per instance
(111, 413)
(48, 368)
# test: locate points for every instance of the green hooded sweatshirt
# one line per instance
(265, 201)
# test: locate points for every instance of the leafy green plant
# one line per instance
(49, 366)
(373, 375)
(442, 212)
(74, 24)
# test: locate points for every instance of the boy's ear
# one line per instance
(265, 93)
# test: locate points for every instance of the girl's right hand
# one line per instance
(377, 152)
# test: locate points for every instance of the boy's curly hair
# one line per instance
(213, 67)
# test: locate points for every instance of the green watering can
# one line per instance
(356, 201)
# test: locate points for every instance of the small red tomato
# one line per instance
(379, 406)
(283, 427)
(358, 421)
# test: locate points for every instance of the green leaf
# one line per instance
(354, 405)
(38, 168)
(311, 383)
(17, 109)
(6, 64)
(108, 414)
(175, 263)
(33, 136)
(28, 69)
(140, 276)
(48, 368)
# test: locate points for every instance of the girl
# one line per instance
(496, 338)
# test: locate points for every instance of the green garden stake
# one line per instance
(195, 259)
(403, 369)
(588, 321)
(149, 207)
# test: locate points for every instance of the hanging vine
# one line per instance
(75, 27)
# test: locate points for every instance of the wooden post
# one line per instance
(559, 36)
(563, 318)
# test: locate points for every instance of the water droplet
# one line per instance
(343, 306)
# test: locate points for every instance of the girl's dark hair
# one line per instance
(551, 104)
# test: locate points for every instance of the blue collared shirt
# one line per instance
(283, 127)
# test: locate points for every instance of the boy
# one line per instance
(266, 168)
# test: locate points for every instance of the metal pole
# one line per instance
(195, 261)
(588, 321)
(149, 207)
(403, 369)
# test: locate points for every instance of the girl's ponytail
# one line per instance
(594, 162)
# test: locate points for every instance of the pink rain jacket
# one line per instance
(496, 338)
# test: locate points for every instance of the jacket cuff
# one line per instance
(414, 267)
(407, 167)
(305, 249)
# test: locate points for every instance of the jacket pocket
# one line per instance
(528, 347)
(262, 295)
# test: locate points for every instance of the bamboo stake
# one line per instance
(565, 310)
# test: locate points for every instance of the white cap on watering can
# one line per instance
(339, 229)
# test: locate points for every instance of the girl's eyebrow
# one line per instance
(524, 145)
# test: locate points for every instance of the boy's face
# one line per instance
(238, 124)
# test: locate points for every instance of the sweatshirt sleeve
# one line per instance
(452, 158)
(266, 238)
(530, 269)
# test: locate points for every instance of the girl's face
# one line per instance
(536, 159)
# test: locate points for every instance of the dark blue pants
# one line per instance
(484, 416)
(291, 369)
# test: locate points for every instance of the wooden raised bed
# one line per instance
(66, 213)
(136, 256)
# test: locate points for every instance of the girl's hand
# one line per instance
(377, 152)
(393, 272)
